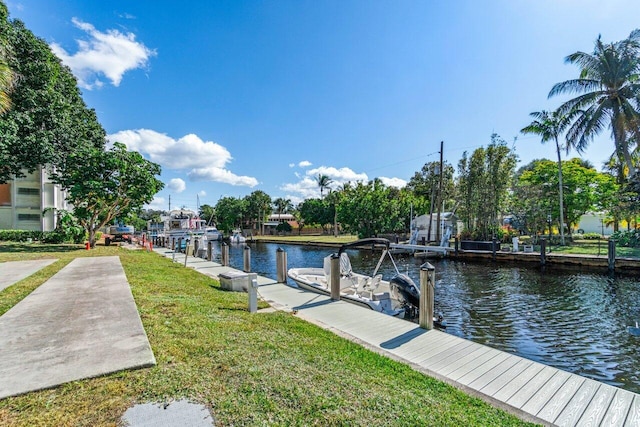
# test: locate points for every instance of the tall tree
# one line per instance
(324, 183)
(208, 213)
(283, 205)
(48, 119)
(7, 76)
(230, 211)
(609, 96)
(258, 206)
(549, 126)
(105, 185)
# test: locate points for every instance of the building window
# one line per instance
(5, 194)
(26, 191)
(29, 217)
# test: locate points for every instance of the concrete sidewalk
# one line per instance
(14, 271)
(81, 323)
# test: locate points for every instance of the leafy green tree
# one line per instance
(208, 213)
(586, 188)
(483, 184)
(283, 205)
(48, 119)
(608, 91)
(230, 211)
(105, 185)
(258, 206)
(425, 184)
(7, 76)
(372, 209)
(315, 211)
(324, 183)
(550, 126)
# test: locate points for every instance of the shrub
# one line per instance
(20, 235)
(629, 238)
(591, 236)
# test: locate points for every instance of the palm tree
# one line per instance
(283, 205)
(323, 182)
(550, 125)
(608, 86)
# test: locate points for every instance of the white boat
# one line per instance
(212, 233)
(237, 237)
(398, 297)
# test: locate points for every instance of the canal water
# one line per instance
(572, 320)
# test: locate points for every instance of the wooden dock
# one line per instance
(531, 390)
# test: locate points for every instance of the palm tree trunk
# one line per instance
(560, 191)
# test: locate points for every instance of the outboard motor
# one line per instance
(405, 291)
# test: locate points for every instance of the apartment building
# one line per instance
(23, 200)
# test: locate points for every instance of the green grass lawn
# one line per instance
(249, 369)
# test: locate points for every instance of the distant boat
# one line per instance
(635, 331)
(212, 233)
(237, 237)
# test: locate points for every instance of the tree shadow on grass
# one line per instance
(13, 247)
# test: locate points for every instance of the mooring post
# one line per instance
(187, 248)
(225, 254)
(247, 259)
(543, 251)
(493, 248)
(281, 265)
(335, 277)
(252, 290)
(456, 245)
(209, 250)
(611, 254)
(173, 244)
(196, 246)
(427, 294)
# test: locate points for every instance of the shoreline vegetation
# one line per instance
(268, 368)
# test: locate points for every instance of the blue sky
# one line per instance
(232, 96)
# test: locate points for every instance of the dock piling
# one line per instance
(335, 277)
(225, 254)
(252, 290)
(611, 254)
(281, 265)
(247, 259)
(209, 250)
(543, 251)
(427, 291)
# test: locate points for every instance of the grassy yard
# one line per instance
(249, 369)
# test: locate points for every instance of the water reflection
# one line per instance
(571, 320)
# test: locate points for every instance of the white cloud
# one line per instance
(305, 164)
(221, 175)
(292, 165)
(110, 54)
(158, 204)
(176, 185)
(339, 176)
(202, 193)
(393, 182)
(205, 160)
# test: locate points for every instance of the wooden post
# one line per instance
(427, 291)
(493, 248)
(424, 241)
(187, 248)
(456, 244)
(173, 244)
(611, 254)
(225, 254)
(335, 277)
(247, 259)
(196, 245)
(281, 265)
(209, 250)
(543, 251)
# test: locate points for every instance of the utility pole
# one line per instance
(439, 198)
(169, 202)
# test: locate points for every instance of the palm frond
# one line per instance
(575, 86)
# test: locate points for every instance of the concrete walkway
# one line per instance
(14, 271)
(81, 323)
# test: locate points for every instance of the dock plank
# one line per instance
(475, 364)
(459, 360)
(484, 368)
(561, 399)
(512, 387)
(533, 386)
(595, 411)
(538, 401)
(618, 409)
(576, 406)
(506, 377)
(633, 417)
